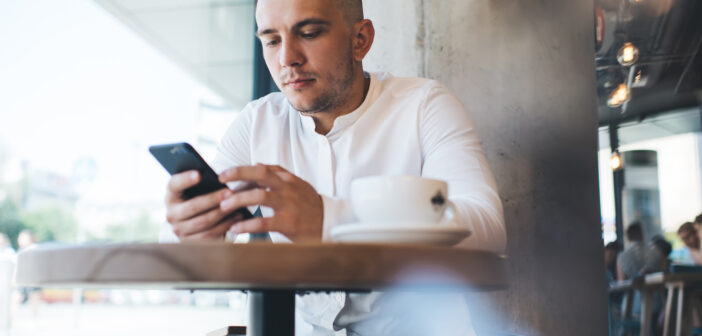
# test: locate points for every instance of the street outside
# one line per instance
(198, 317)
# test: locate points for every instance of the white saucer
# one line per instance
(426, 234)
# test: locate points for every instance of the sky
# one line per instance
(77, 84)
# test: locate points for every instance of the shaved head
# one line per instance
(314, 51)
(351, 9)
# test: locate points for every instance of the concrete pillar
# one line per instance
(525, 70)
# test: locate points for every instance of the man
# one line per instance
(333, 123)
(663, 247)
(688, 235)
(637, 259)
(697, 223)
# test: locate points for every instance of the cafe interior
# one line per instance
(589, 113)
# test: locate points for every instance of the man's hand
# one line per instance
(297, 207)
(200, 217)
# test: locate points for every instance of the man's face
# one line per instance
(308, 50)
(690, 239)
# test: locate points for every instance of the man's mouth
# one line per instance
(299, 83)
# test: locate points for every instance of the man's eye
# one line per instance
(310, 35)
(270, 43)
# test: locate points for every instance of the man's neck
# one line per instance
(324, 121)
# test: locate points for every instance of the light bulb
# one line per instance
(615, 161)
(628, 54)
(620, 95)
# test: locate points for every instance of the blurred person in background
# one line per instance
(638, 259)
(6, 249)
(698, 225)
(662, 246)
(612, 250)
(611, 253)
(7, 266)
(698, 222)
(689, 236)
(25, 239)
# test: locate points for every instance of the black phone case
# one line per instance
(180, 157)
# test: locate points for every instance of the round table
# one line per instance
(272, 272)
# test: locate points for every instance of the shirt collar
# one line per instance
(343, 122)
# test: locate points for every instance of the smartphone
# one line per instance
(180, 157)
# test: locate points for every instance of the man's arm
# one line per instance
(452, 152)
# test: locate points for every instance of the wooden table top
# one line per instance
(309, 266)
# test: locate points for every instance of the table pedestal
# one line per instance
(272, 313)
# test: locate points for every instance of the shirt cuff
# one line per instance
(336, 211)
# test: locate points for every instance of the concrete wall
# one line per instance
(525, 70)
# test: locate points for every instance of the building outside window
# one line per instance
(87, 86)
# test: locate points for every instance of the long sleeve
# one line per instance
(452, 152)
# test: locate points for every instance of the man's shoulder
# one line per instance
(399, 85)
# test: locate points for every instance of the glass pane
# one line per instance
(87, 87)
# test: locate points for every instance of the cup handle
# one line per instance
(451, 221)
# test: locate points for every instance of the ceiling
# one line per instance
(211, 40)
(668, 73)
(659, 126)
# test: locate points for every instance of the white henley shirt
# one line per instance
(405, 126)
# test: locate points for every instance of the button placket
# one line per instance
(325, 177)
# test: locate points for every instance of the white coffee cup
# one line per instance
(403, 200)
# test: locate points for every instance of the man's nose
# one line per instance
(290, 54)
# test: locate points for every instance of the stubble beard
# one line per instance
(336, 94)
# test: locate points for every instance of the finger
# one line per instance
(253, 225)
(180, 182)
(249, 198)
(188, 209)
(263, 175)
(243, 185)
(203, 222)
(217, 232)
(283, 174)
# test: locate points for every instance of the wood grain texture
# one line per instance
(261, 266)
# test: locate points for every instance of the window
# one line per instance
(87, 87)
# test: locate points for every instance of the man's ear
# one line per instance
(364, 33)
